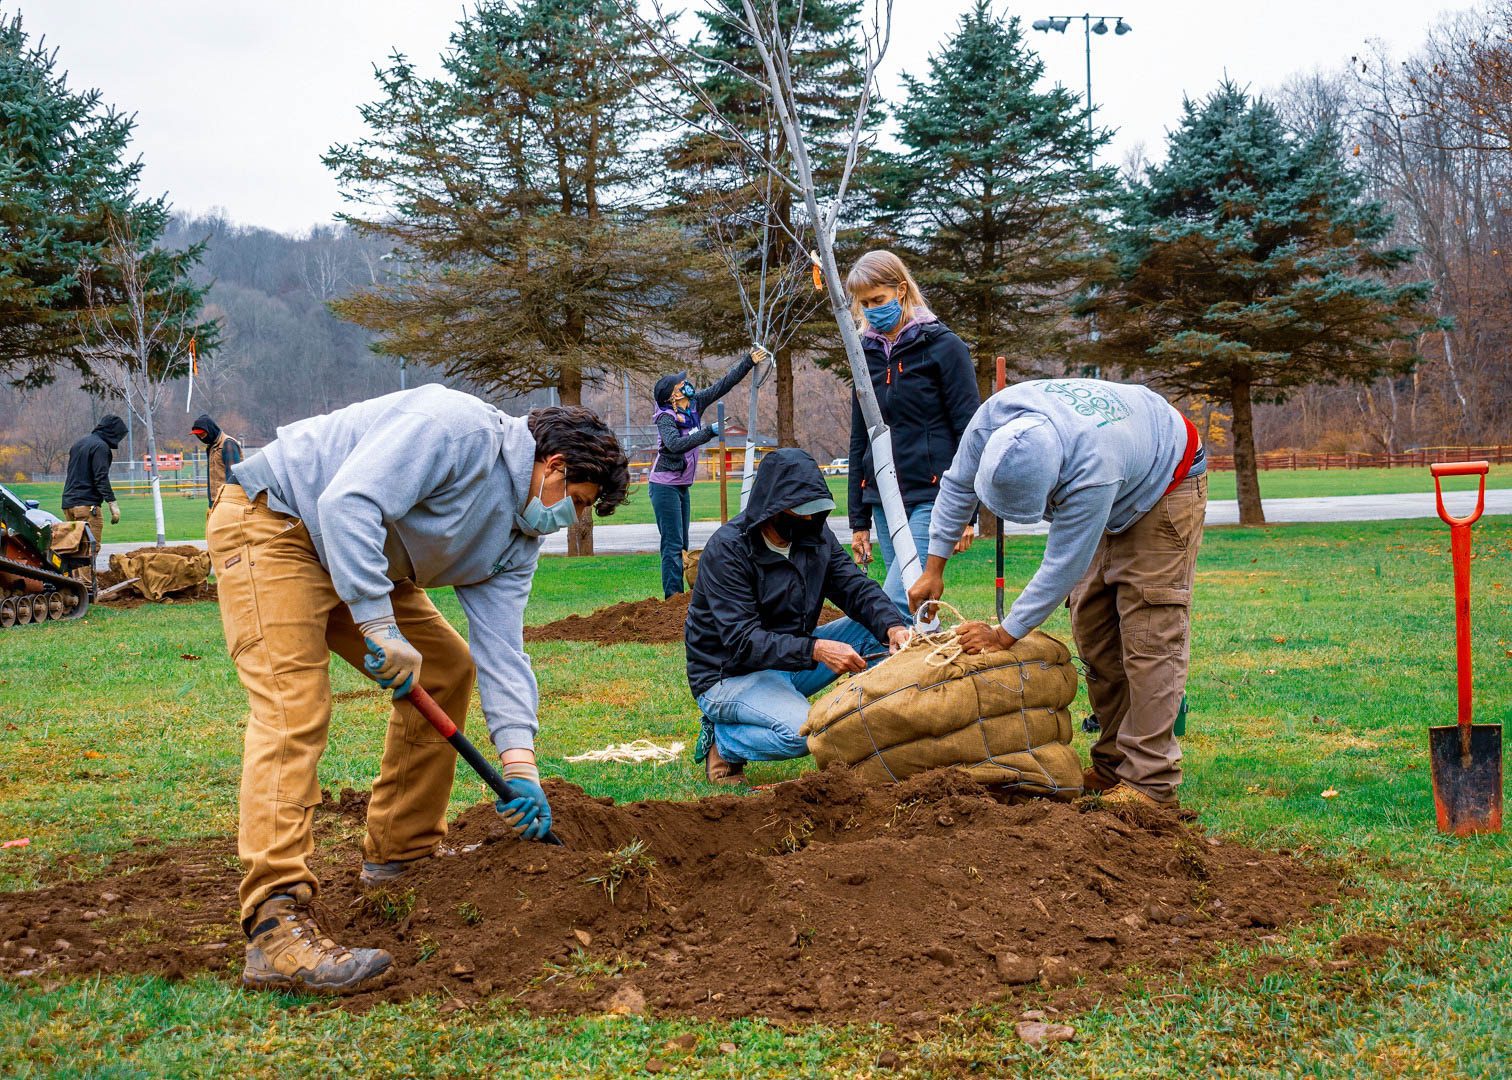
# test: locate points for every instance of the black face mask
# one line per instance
(791, 528)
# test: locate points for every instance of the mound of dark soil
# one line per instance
(130, 598)
(815, 898)
(645, 622)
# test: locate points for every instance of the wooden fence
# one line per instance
(1420, 458)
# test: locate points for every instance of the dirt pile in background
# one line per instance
(130, 598)
(817, 898)
(643, 622)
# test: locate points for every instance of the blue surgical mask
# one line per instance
(884, 318)
(538, 519)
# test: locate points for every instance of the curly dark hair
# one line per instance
(593, 453)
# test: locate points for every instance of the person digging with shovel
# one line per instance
(754, 645)
(325, 541)
(1122, 478)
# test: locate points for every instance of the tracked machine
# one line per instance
(35, 581)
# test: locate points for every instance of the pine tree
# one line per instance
(714, 177)
(510, 187)
(64, 178)
(1249, 264)
(995, 200)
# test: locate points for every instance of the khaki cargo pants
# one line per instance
(1131, 616)
(92, 517)
(283, 620)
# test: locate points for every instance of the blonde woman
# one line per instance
(926, 386)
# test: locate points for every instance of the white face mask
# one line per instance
(538, 519)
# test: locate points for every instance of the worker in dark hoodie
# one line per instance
(755, 648)
(87, 486)
(325, 541)
(221, 452)
(680, 431)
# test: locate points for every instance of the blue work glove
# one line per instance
(391, 660)
(714, 428)
(528, 813)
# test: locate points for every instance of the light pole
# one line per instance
(1058, 23)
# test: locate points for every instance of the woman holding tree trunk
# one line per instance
(926, 387)
(679, 433)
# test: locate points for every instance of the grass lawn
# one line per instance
(185, 517)
(1320, 654)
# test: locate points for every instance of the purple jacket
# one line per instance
(687, 433)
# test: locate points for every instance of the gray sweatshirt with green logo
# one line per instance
(422, 484)
(1087, 456)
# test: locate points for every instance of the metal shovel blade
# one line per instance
(1467, 778)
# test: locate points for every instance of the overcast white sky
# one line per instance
(237, 100)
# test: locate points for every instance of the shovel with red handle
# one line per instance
(1466, 758)
(469, 753)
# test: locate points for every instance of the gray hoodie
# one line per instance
(1088, 456)
(421, 484)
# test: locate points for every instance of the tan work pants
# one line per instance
(1131, 617)
(282, 620)
(92, 517)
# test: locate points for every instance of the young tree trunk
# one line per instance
(1246, 477)
(579, 534)
(787, 430)
(152, 474)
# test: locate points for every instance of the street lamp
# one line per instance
(1059, 23)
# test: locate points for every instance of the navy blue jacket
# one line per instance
(752, 609)
(928, 394)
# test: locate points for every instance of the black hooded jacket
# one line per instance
(928, 393)
(752, 609)
(88, 479)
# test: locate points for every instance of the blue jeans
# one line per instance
(674, 518)
(757, 716)
(918, 526)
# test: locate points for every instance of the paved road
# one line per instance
(623, 539)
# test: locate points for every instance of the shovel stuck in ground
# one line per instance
(463, 746)
(1466, 758)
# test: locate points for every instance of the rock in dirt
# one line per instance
(1057, 971)
(627, 1001)
(1038, 1033)
(1015, 970)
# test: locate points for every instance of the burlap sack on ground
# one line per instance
(161, 573)
(690, 566)
(1001, 716)
(68, 537)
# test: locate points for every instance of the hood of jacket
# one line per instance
(209, 427)
(662, 392)
(112, 429)
(1020, 468)
(785, 478)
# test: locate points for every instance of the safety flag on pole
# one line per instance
(818, 271)
(193, 371)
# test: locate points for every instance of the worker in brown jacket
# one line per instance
(221, 452)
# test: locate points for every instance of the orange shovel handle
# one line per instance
(1460, 468)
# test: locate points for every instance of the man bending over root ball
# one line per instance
(1122, 479)
(326, 542)
(755, 647)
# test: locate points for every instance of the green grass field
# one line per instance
(1320, 655)
(185, 517)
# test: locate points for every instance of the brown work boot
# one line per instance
(720, 771)
(1123, 795)
(286, 950)
(1094, 782)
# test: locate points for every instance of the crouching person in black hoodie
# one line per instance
(755, 647)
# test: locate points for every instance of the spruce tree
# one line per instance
(995, 199)
(1249, 263)
(714, 177)
(64, 177)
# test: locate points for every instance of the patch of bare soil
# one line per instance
(645, 622)
(817, 898)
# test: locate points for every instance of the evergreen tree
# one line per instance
(715, 178)
(995, 200)
(63, 180)
(1249, 264)
(509, 187)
